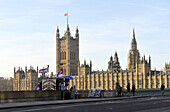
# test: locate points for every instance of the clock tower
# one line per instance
(134, 55)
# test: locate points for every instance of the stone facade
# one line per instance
(25, 80)
(138, 71)
(6, 84)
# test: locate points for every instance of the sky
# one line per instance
(28, 29)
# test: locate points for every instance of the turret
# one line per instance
(77, 33)
(25, 69)
(116, 58)
(155, 69)
(111, 58)
(90, 65)
(79, 63)
(37, 69)
(84, 62)
(57, 33)
(14, 70)
(149, 59)
(67, 33)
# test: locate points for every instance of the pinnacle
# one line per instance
(57, 29)
(133, 33)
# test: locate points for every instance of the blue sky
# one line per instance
(27, 31)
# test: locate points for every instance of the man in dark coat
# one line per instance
(133, 89)
(162, 88)
(128, 89)
(119, 91)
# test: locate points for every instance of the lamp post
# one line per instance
(117, 70)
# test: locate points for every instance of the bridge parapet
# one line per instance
(4, 95)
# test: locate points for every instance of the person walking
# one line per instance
(133, 89)
(119, 91)
(162, 88)
(128, 89)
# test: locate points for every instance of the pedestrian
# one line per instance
(119, 91)
(122, 94)
(133, 89)
(128, 89)
(162, 88)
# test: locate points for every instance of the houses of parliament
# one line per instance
(138, 70)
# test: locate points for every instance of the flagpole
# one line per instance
(67, 17)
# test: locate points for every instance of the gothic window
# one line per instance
(73, 71)
(140, 82)
(157, 81)
(140, 69)
(63, 55)
(163, 81)
(72, 55)
(64, 71)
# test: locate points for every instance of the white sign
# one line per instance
(48, 84)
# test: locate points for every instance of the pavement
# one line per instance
(71, 101)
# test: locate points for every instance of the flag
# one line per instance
(44, 70)
(41, 71)
(66, 14)
(61, 71)
(59, 74)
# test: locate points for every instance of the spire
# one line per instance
(111, 58)
(133, 33)
(116, 54)
(57, 29)
(57, 33)
(14, 70)
(90, 62)
(133, 43)
(77, 33)
(84, 62)
(25, 68)
(67, 33)
(116, 61)
(90, 65)
(77, 30)
(149, 59)
(37, 69)
(116, 57)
